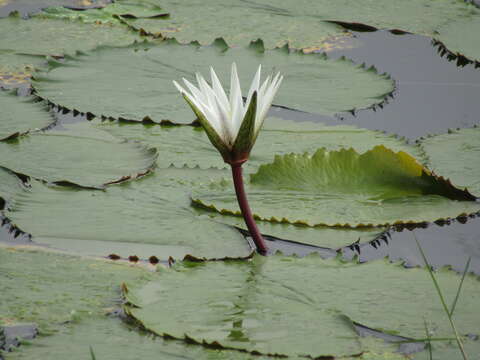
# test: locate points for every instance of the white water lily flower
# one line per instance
(231, 125)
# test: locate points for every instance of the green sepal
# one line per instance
(215, 139)
(244, 141)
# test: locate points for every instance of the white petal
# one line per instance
(254, 86)
(195, 91)
(201, 102)
(207, 91)
(267, 101)
(219, 92)
(179, 88)
(236, 103)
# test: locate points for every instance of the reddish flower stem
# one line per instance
(245, 208)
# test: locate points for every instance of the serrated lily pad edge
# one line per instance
(35, 99)
(130, 303)
(460, 59)
(222, 45)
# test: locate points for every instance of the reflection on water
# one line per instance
(446, 243)
(432, 94)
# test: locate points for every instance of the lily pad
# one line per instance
(301, 24)
(20, 115)
(10, 185)
(294, 306)
(322, 236)
(456, 155)
(153, 212)
(50, 289)
(344, 188)
(461, 37)
(28, 7)
(278, 137)
(79, 154)
(32, 40)
(111, 339)
(120, 11)
(135, 83)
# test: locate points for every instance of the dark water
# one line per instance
(432, 93)
(444, 245)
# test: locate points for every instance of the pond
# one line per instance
(121, 236)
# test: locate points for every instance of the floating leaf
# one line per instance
(150, 216)
(10, 185)
(322, 236)
(111, 339)
(136, 83)
(20, 115)
(344, 188)
(77, 153)
(277, 137)
(49, 289)
(35, 38)
(28, 7)
(461, 37)
(294, 306)
(456, 155)
(301, 24)
(120, 11)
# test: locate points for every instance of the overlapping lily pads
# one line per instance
(302, 24)
(121, 11)
(295, 307)
(302, 236)
(10, 185)
(135, 83)
(456, 155)
(20, 115)
(77, 153)
(277, 137)
(26, 43)
(344, 188)
(111, 339)
(147, 217)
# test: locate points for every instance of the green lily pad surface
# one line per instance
(294, 306)
(27, 7)
(10, 185)
(278, 137)
(50, 289)
(461, 37)
(456, 156)
(322, 236)
(20, 115)
(302, 24)
(344, 188)
(136, 83)
(77, 153)
(25, 43)
(111, 339)
(147, 217)
(120, 11)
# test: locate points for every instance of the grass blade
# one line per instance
(92, 354)
(442, 299)
(460, 286)
(429, 343)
